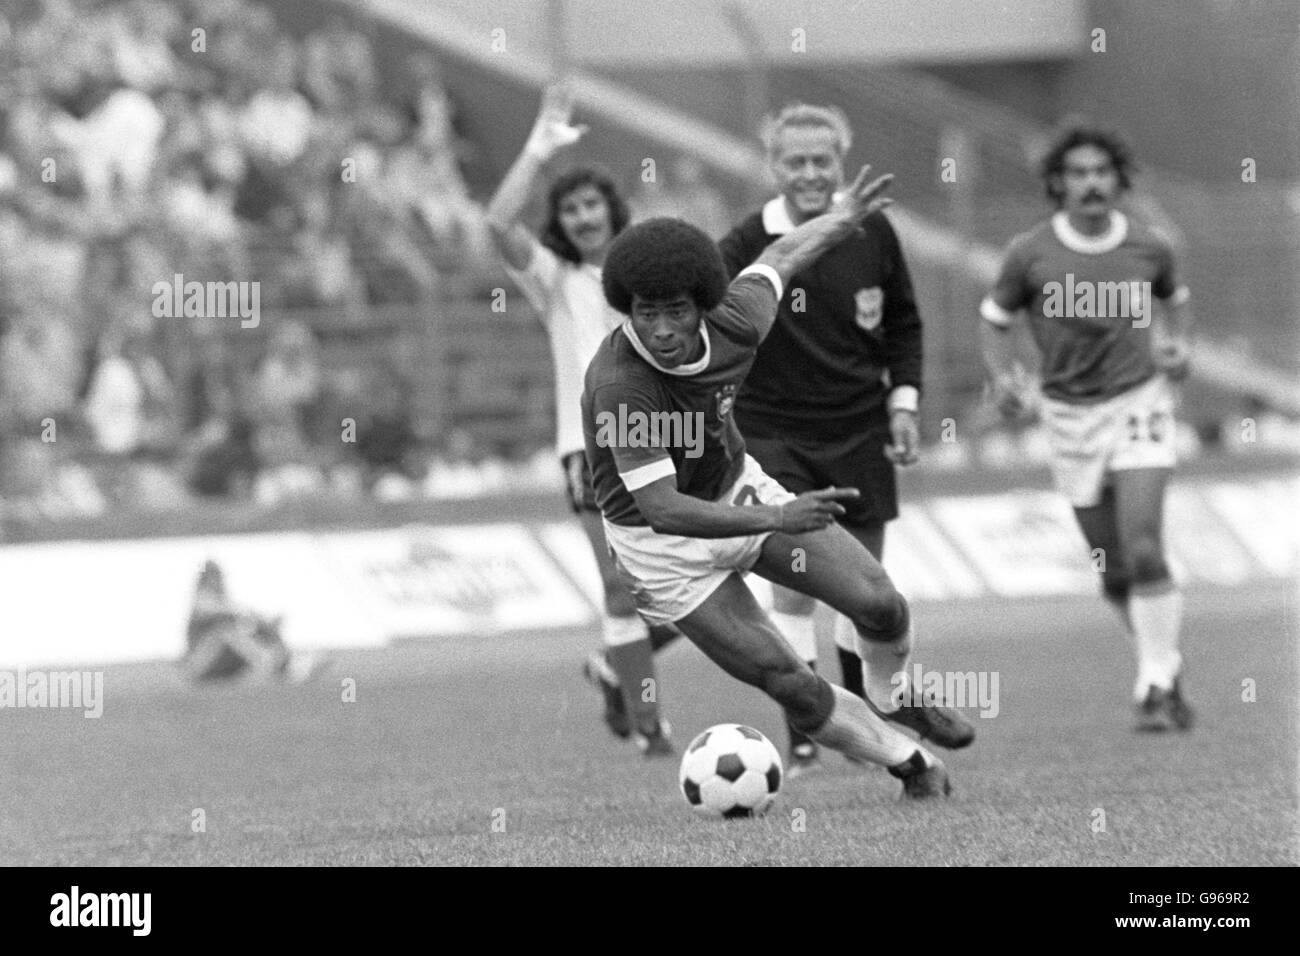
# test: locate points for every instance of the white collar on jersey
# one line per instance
(692, 368)
(776, 216)
(1076, 241)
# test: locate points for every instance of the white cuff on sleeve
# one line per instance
(762, 269)
(992, 312)
(647, 474)
(905, 398)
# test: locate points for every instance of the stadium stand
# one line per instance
(283, 152)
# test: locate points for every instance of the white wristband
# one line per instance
(905, 398)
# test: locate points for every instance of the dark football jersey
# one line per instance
(847, 331)
(642, 422)
(1089, 303)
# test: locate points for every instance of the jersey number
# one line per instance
(1150, 428)
(746, 496)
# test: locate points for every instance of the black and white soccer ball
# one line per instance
(730, 771)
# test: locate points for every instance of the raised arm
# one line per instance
(551, 132)
(796, 249)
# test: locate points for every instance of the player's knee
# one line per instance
(1146, 560)
(793, 685)
(879, 609)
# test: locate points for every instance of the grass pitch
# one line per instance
(490, 750)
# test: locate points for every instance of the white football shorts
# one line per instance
(670, 575)
(1132, 430)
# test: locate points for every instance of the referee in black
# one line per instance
(832, 397)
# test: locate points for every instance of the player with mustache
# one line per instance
(1107, 396)
(560, 276)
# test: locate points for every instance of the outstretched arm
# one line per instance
(795, 250)
(551, 132)
(671, 512)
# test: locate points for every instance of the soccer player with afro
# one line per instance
(834, 393)
(687, 512)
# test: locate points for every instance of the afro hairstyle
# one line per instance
(660, 259)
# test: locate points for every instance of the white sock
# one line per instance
(1157, 619)
(798, 631)
(880, 663)
(856, 732)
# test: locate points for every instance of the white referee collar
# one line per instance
(1116, 232)
(776, 216)
(692, 368)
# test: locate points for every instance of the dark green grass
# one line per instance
(444, 734)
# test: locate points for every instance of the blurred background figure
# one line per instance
(684, 192)
(225, 642)
(338, 155)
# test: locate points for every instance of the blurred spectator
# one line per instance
(154, 161)
(131, 406)
(276, 122)
(114, 147)
(385, 436)
(288, 387)
(39, 372)
(685, 193)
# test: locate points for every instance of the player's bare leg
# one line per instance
(799, 618)
(872, 537)
(1100, 527)
(632, 698)
(833, 567)
(1155, 604)
(733, 631)
(792, 613)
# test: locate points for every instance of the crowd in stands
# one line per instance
(144, 139)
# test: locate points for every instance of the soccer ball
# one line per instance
(730, 771)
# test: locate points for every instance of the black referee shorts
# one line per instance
(855, 462)
(577, 483)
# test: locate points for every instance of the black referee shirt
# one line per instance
(825, 371)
